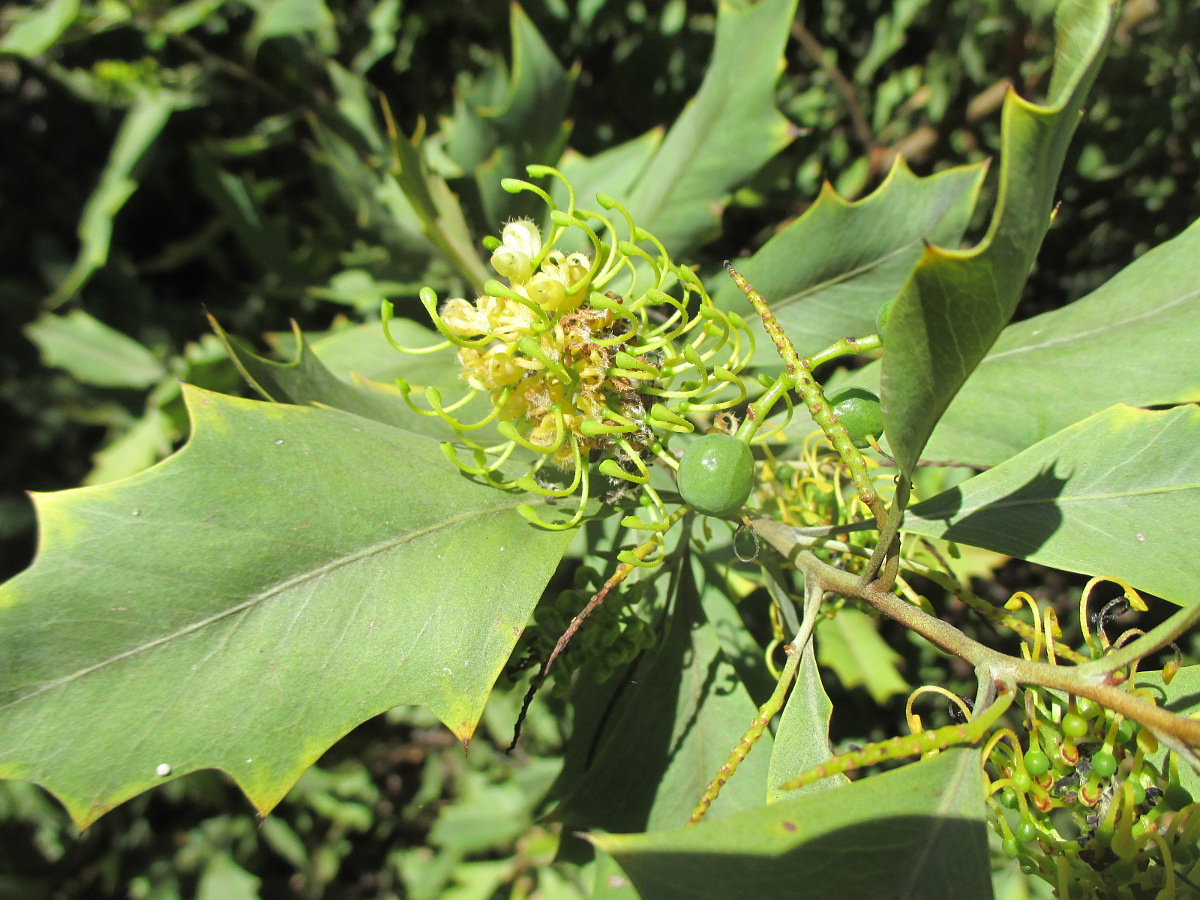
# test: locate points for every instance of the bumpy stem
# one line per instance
(906, 745)
(768, 711)
(799, 370)
(1095, 680)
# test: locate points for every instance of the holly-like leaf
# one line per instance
(509, 120)
(956, 303)
(827, 274)
(727, 132)
(1114, 494)
(918, 831)
(1134, 340)
(290, 573)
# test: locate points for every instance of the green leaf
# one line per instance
(306, 380)
(956, 303)
(802, 738)
(850, 644)
(529, 120)
(182, 17)
(144, 444)
(738, 644)
(290, 18)
(265, 238)
(1182, 697)
(118, 181)
(441, 217)
(610, 882)
(224, 879)
(1114, 494)
(614, 171)
(726, 133)
(37, 30)
(362, 350)
(94, 353)
(1135, 340)
(509, 120)
(290, 573)
(918, 831)
(663, 734)
(1130, 341)
(827, 274)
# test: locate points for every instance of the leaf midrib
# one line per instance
(265, 595)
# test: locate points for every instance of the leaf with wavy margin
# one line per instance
(290, 573)
(956, 302)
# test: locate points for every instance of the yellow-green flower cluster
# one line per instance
(590, 358)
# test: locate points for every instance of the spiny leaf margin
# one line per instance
(956, 302)
(244, 604)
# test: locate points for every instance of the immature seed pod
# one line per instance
(858, 409)
(716, 474)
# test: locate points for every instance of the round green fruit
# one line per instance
(716, 474)
(1104, 763)
(859, 410)
(1037, 763)
(1074, 725)
(881, 317)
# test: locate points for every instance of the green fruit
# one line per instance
(1074, 725)
(1104, 764)
(1026, 832)
(859, 410)
(716, 474)
(881, 317)
(1089, 709)
(1037, 763)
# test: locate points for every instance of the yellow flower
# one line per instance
(583, 369)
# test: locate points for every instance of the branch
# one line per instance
(1095, 680)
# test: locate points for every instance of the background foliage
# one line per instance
(177, 158)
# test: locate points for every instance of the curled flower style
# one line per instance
(591, 360)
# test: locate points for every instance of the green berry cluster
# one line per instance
(1092, 801)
